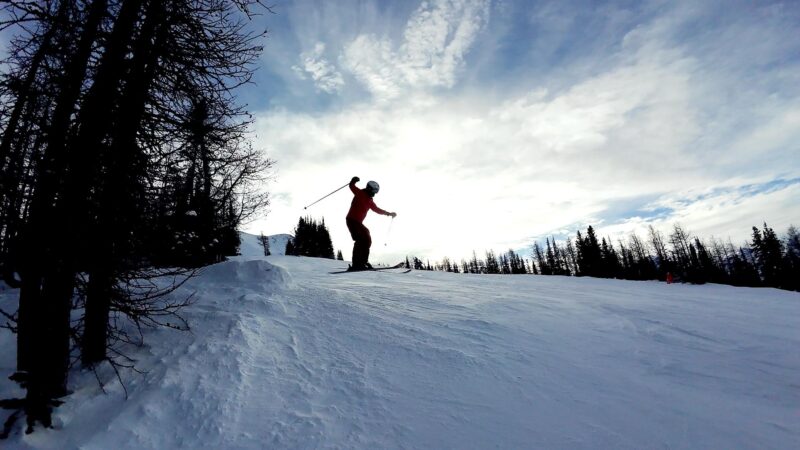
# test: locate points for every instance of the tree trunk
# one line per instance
(48, 273)
(113, 227)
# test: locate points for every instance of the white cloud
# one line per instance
(325, 76)
(436, 40)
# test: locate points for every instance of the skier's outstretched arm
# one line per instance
(375, 208)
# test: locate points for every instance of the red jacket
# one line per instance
(361, 205)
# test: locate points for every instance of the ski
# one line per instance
(375, 269)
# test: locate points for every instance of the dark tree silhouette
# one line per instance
(311, 239)
(97, 93)
(264, 241)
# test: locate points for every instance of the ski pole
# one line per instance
(388, 232)
(323, 198)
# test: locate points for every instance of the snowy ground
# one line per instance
(284, 355)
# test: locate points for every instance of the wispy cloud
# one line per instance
(436, 39)
(325, 76)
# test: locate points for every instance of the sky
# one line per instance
(491, 124)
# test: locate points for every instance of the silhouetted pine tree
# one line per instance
(589, 254)
(516, 264)
(744, 268)
(708, 269)
(264, 241)
(571, 257)
(768, 252)
(792, 260)
(684, 256)
(475, 266)
(290, 247)
(445, 265)
(663, 263)
(609, 260)
(544, 269)
(311, 239)
(645, 267)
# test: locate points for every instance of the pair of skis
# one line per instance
(376, 269)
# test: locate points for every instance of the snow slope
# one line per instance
(284, 355)
(251, 246)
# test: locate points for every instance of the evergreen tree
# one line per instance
(768, 252)
(551, 268)
(792, 260)
(643, 266)
(560, 259)
(684, 255)
(312, 239)
(742, 268)
(609, 260)
(290, 248)
(474, 264)
(571, 257)
(264, 241)
(707, 268)
(446, 266)
(544, 269)
(589, 254)
(515, 263)
(492, 265)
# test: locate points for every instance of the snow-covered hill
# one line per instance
(283, 354)
(251, 245)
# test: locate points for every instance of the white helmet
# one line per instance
(373, 187)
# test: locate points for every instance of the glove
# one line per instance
(355, 180)
(393, 215)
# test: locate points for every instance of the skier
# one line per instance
(362, 203)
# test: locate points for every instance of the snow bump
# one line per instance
(259, 274)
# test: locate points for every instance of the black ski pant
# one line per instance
(363, 241)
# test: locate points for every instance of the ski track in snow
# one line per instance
(284, 355)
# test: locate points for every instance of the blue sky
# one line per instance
(493, 123)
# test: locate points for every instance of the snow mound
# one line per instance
(240, 272)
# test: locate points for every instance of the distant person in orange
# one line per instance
(669, 277)
(362, 203)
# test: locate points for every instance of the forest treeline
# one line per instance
(765, 261)
(124, 153)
